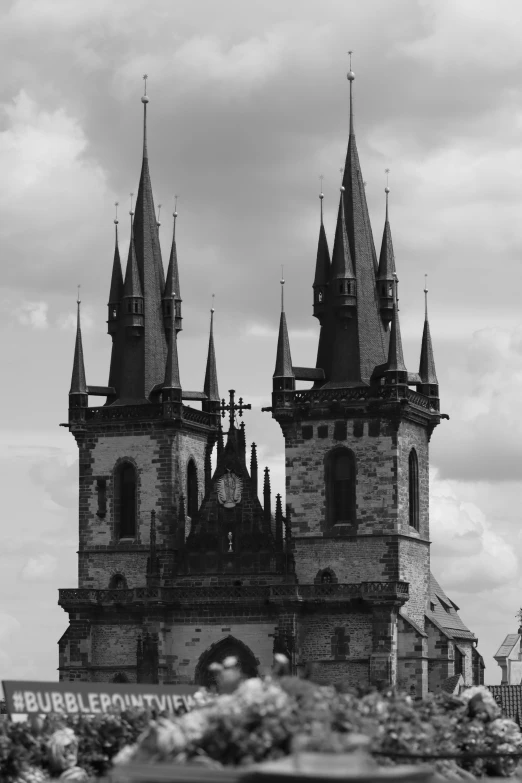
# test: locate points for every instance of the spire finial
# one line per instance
(145, 100)
(387, 190)
(426, 297)
(158, 218)
(131, 210)
(321, 196)
(78, 300)
(351, 76)
(282, 281)
(116, 221)
(212, 308)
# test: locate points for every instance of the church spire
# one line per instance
(171, 380)
(116, 291)
(78, 382)
(322, 269)
(395, 371)
(283, 377)
(386, 271)
(342, 277)
(429, 384)
(358, 346)
(172, 287)
(150, 267)
(210, 386)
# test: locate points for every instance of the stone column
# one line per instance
(383, 659)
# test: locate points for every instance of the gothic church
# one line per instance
(180, 565)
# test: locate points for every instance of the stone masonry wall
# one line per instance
(185, 643)
(412, 663)
(414, 567)
(413, 436)
(335, 637)
(363, 559)
(114, 645)
(161, 457)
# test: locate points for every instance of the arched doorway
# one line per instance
(217, 653)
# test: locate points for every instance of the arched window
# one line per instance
(326, 578)
(340, 482)
(413, 486)
(192, 488)
(125, 497)
(118, 582)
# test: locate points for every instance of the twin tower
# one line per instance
(180, 565)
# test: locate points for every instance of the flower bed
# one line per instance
(269, 719)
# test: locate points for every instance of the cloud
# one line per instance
(483, 439)
(468, 554)
(40, 568)
(59, 477)
(33, 314)
(68, 321)
(8, 625)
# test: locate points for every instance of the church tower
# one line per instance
(357, 458)
(144, 455)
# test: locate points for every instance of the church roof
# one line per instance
(445, 614)
(507, 645)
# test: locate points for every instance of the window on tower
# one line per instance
(125, 500)
(192, 489)
(413, 486)
(340, 486)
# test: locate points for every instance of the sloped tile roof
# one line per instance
(445, 614)
(450, 685)
(507, 645)
(509, 699)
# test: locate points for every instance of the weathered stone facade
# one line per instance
(178, 568)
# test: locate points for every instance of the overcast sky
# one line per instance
(248, 106)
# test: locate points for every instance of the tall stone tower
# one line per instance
(357, 457)
(144, 456)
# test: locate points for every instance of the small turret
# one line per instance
(171, 391)
(322, 270)
(343, 285)
(429, 384)
(133, 309)
(395, 372)
(386, 271)
(253, 468)
(171, 301)
(279, 519)
(210, 385)
(78, 395)
(267, 498)
(116, 291)
(283, 378)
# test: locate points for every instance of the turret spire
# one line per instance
(78, 381)
(172, 380)
(150, 363)
(210, 386)
(132, 285)
(283, 378)
(395, 363)
(172, 288)
(427, 362)
(115, 311)
(351, 348)
(386, 270)
(322, 268)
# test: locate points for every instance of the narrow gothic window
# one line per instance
(125, 500)
(413, 474)
(340, 481)
(101, 489)
(192, 489)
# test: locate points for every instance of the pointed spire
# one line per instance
(172, 287)
(322, 269)
(132, 285)
(386, 268)
(145, 100)
(350, 348)
(283, 366)
(267, 497)
(171, 380)
(342, 266)
(210, 386)
(152, 353)
(395, 356)
(220, 441)
(116, 291)
(253, 468)
(427, 371)
(78, 381)
(279, 518)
